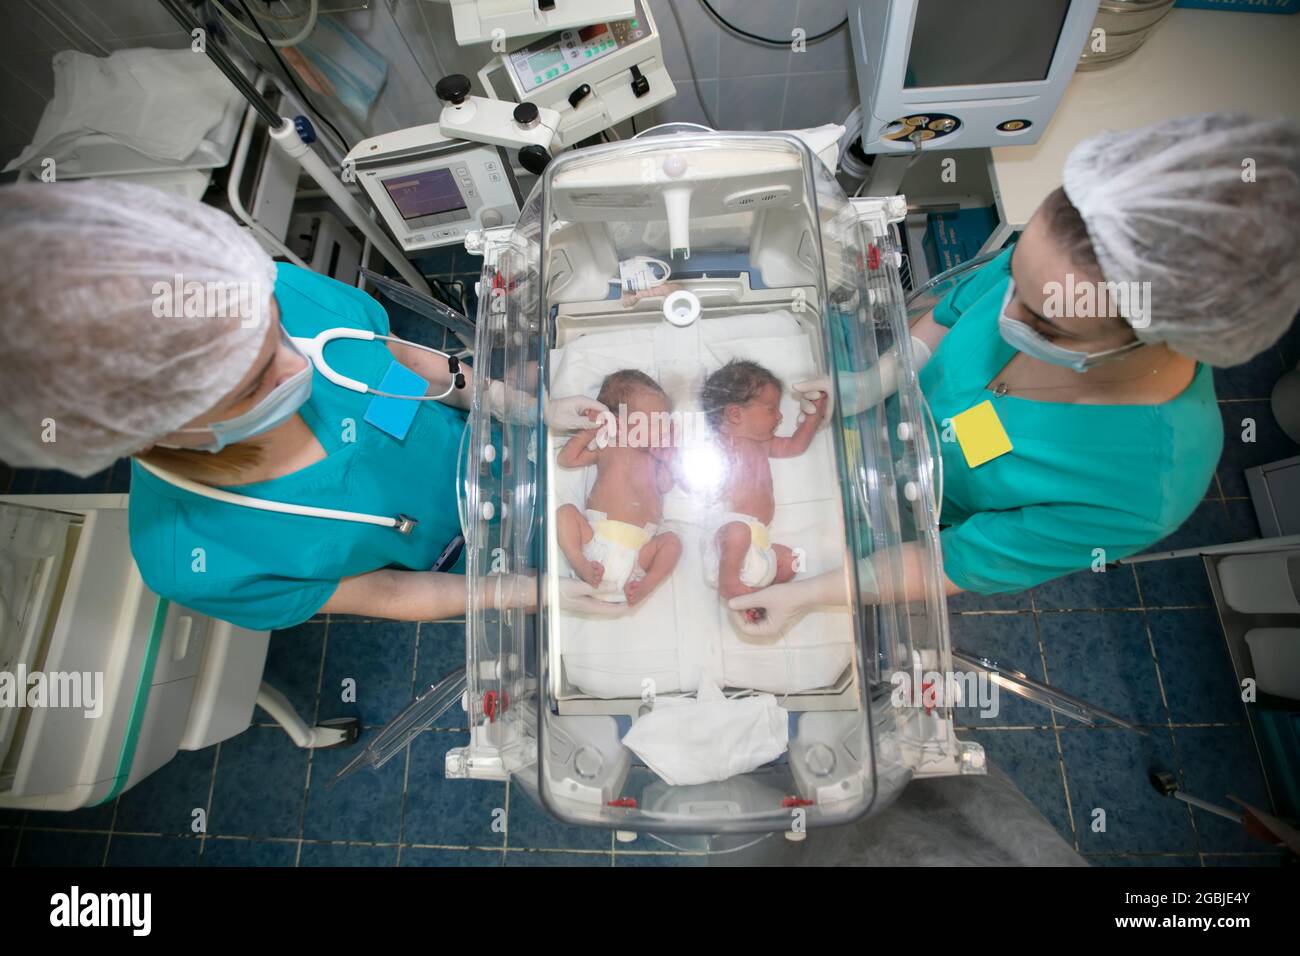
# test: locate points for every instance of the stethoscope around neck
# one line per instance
(314, 350)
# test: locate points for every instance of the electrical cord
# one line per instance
(848, 163)
(347, 147)
(313, 8)
(754, 37)
(690, 63)
(451, 293)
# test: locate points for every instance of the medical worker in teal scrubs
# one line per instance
(140, 323)
(1109, 409)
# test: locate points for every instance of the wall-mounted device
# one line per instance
(957, 74)
(480, 21)
(431, 189)
(594, 76)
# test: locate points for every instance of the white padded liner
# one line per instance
(683, 628)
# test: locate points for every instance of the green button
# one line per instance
(588, 52)
(566, 68)
(537, 79)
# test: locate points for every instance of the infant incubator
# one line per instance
(674, 254)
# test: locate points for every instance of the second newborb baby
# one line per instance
(742, 401)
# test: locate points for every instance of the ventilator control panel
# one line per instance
(432, 191)
(558, 55)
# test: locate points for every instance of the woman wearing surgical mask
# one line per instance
(266, 486)
(1167, 250)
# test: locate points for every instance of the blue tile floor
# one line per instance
(1143, 642)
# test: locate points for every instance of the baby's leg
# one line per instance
(784, 564)
(657, 558)
(733, 544)
(572, 531)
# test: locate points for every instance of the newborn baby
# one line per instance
(742, 401)
(614, 546)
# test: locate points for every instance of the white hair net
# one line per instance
(1207, 209)
(100, 356)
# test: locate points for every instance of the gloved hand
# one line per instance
(577, 596)
(860, 390)
(505, 591)
(575, 413)
(814, 388)
(783, 604)
(560, 414)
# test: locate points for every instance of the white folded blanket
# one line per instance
(160, 103)
(709, 738)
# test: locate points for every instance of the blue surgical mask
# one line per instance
(1022, 338)
(283, 401)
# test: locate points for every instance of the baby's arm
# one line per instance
(798, 443)
(666, 474)
(575, 453)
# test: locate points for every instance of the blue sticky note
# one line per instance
(394, 415)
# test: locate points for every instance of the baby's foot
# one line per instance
(635, 591)
(733, 588)
(593, 572)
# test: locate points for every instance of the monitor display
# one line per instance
(424, 193)
(543, 61)
(979, 42)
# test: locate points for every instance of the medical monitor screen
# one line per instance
(425, 193)
(980, 42)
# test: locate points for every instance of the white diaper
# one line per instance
(759, 567)
(616, 545)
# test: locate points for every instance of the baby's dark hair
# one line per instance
(1067, 227)
(736, 383)
(620, 386)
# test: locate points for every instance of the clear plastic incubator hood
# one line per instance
(642, 703)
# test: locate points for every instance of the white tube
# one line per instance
(677, 207)
(286, 135)
(237, 174)
(265, 504)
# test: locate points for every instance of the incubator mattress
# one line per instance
(683, 629)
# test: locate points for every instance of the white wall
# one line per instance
(748, 86)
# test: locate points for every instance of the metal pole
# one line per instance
(226, 65)
(1253, 546)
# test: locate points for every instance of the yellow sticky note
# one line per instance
(980, 434)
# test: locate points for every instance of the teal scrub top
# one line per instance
(264, 570)
(1078, 478)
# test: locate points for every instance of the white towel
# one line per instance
(709, 738)
(160, 103)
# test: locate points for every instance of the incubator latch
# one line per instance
(879, 212)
